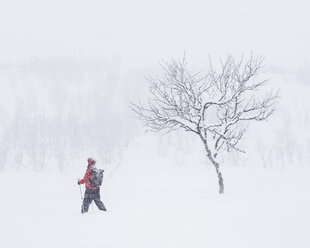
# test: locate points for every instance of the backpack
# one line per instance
(97, 177)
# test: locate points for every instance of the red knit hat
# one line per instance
(91, 161)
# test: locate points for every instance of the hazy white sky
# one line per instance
(144, 31)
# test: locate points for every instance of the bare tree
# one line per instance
(216, 107)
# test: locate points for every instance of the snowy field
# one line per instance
(157, 205)
(69, 71)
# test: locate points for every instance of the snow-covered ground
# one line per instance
(66, 84)
(152, 203)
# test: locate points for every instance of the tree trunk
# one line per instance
(219, 175)
(216, 165)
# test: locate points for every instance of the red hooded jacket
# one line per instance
(86, 179)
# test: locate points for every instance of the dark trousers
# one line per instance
(90, 195)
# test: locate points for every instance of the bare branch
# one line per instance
(220, 103)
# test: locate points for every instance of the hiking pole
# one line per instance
(80, 190)
(81, 195)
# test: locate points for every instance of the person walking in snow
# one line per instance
(92, 192)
